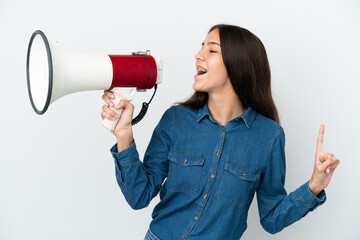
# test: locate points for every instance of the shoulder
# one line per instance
(267, 127)
(179, 113)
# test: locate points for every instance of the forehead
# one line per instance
(213, 36)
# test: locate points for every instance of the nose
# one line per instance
(199, 56)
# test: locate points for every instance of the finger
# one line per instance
(322, 157)
(129, 106)
(110, 113)
(320, 140)
(333, 166)
(107, 100)
(106, 115)
(336, 164)
(123, 104)
(327, 156)
(109, 94)
(322, 167)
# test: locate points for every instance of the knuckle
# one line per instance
(104, 115)
(108, 111)
(108, 116)
(109, 102)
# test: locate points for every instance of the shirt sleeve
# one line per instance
(140, 181)
(278, 210)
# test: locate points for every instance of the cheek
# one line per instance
(218, 67)
(221, 72)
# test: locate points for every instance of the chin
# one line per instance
(198, 88)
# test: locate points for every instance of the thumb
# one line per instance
(125, 117)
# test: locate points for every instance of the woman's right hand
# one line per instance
(123, 129)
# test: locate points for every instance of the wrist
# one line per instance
(314, 190)
(124, 141)
(124, 144)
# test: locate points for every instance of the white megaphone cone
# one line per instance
(53, 73)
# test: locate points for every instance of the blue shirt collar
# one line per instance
(248, 116)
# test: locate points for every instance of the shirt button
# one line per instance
(183, 236)
(222, 133)
(212, 176)
(243, 174)
(217, 153)
(185, 161)
(196, 217)
(205, 196)
(236, 119)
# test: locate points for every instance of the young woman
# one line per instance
(217, 149)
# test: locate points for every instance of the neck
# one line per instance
(224, 107)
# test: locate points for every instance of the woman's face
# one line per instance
(211, 75)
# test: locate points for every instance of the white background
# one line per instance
(56, 173)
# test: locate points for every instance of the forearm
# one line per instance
(133, 178)
(289, 208)
(141, 181)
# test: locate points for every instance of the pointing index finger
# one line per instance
(320, 140)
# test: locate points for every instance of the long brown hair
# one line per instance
(248, 68)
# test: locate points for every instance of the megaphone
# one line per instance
(53, 72)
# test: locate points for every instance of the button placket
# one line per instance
(203, 199)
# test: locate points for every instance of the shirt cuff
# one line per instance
(125, 157)
(310, 199)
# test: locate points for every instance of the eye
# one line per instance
(213, 51)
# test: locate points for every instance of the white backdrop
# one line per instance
(56, 173)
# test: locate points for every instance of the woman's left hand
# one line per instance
(325, 165)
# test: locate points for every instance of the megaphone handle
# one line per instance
(119, 93)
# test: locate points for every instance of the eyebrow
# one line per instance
(211, 43)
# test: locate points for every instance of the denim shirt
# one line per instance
(211, 174)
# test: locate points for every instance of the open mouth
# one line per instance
(201, 71)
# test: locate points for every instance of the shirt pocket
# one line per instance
(184, 172)
(237, 185)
